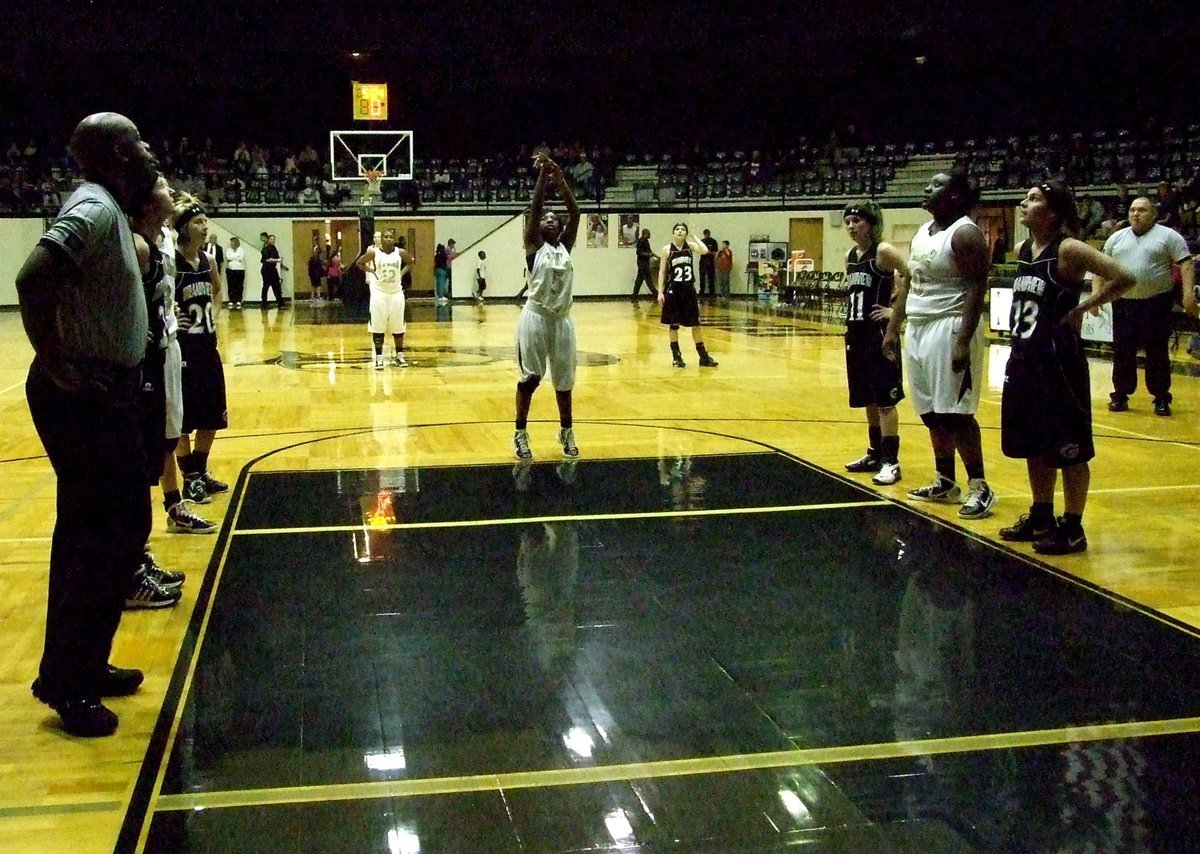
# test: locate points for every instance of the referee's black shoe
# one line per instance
(120, 681)
(85, 717)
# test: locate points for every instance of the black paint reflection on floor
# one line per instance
(493, 648)
(1125, 795)
(518, 490)
(1136, 794)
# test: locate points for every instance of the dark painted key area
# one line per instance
(377, 654)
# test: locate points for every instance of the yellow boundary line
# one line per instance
(185, 692)
(671, 768)
(590, 517)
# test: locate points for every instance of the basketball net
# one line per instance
(372, 189)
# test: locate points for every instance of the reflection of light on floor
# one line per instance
(403, 840)
(795, 807)
(619, 827)
(579, 742)
(388, 760)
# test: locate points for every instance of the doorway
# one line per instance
(808, 234)
(418, 240)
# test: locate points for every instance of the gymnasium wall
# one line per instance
(598, 271)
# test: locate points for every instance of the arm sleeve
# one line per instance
(79, 230)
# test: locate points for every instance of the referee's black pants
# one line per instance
(1143, 324)
(94, 443)
(274, 284)
(643, 277)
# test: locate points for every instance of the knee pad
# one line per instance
(674, 327)
(529, 384)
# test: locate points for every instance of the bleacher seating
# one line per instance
(34, 183)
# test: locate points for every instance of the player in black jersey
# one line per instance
(677, 293)
(1046, 409)
(874, 379)
(198, 295)
(152, 586)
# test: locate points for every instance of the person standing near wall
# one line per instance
(724, 268)
(441, 273)
(708, 265)
(235, 272)
(644, 255)
(271, 280)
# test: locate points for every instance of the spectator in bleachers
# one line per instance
(582, 174)
(1121, 203)
(310, 195)
(1109, 223)
(1189, 219)
(241, 159)
(308, 161)
(1168, 205)
(1090, 216)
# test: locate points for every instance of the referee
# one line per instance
(1142, 316)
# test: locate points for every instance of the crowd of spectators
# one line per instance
(34, 178)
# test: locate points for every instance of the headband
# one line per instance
(861, 213)
(187, 213)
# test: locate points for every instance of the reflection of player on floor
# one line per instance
(545, 332)
(874, 380)
(1046, 411)
(677, 293)
(944, 346)
(384, 268)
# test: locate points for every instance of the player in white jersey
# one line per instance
(944, 345)
(545, 332)
(384, 267)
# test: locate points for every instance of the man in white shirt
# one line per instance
(235, 272)
(1142, 316)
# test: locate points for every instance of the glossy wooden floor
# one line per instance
(303, 396)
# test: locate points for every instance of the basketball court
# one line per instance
(699, 635)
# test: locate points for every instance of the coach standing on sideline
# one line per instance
(1142, 316)
(85, 314)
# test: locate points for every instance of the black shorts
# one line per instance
(874, 380)
(1046, 410)
(681, 306)
(204, 406)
